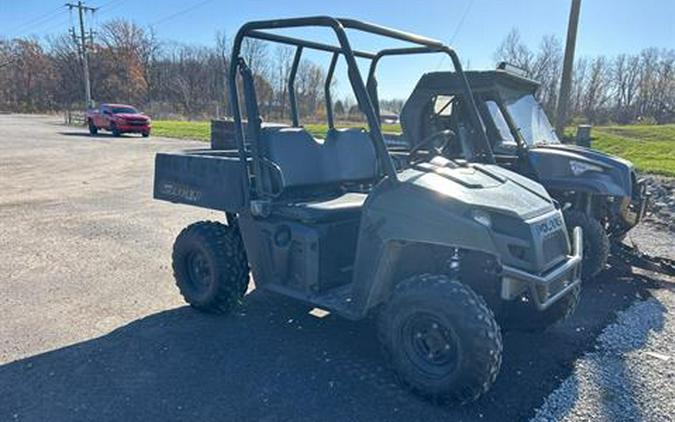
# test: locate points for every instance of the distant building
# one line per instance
(388, 117)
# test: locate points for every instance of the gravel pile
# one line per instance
(662, 200)
(630, 375)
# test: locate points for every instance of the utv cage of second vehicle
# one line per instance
(607, 204)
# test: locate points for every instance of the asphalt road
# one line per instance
(92, 327)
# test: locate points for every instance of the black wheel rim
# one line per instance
(199, 271)
(431, 345)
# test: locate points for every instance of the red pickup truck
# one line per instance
(118, 119)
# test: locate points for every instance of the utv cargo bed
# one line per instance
(201, 177)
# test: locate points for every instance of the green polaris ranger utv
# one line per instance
(598, 192)
(440, 251)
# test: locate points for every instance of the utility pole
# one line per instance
(568, 65)
(82, 46)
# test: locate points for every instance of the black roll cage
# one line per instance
(482, 149)
(366, 96)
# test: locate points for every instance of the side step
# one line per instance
(338, 300)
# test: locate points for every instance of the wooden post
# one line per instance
(568, 65)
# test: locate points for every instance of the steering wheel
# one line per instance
(445, 136)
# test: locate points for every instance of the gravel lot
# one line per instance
(93, 329)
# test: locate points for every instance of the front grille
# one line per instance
(136, 122)
(554, 247)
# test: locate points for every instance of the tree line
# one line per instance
(129, 64)
(167, 79)
(626, 88)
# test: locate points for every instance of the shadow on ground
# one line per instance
(274, 361)
(86, 134)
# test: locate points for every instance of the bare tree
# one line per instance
(597, 89)
(512, 50)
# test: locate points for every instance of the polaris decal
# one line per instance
(549, 225)
(180, 191)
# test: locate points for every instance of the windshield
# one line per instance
(506, 141)
(531, 121)
(121, 110)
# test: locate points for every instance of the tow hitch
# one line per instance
(632, 256)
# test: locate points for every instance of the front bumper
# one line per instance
(635, 210)
(548, 288)
(127, 128)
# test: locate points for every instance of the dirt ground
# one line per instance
(92, 327)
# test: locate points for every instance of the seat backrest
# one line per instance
(346, 155)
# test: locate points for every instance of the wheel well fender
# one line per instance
(403, 259)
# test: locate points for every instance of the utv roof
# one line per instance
(448, 82)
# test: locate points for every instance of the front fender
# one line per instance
(552, 166)
(389, 224)
(595, 184)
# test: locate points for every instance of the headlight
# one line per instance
(579, 167)
(481, 217)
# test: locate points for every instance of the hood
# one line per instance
(607, 174)
(482, 186)
(133, 116)
(586, 153)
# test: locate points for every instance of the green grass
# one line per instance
(201, 131)
(319, 130)
(650, 148)
(180, 129)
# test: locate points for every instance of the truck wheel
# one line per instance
(145, 134)
(93, 130)
(596, 242)
(210, 266)
(521, 315)
(115, 131)
(441, 339)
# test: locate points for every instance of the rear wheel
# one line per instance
(441, 339)
(596, 242)
(93, 130)
(210, 266)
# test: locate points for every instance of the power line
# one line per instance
(457, 29)
(35, 19)
(109, 6)
(37, 24)
(181, 12)
(60, 24)
(461, 21)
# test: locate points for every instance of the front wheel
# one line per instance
(93, 130)
(596, 242)
(115, 131)
(210, 266)
(145, 134)
(441, 339)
